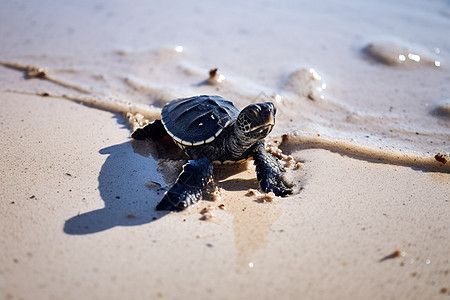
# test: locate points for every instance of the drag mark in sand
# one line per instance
(252, 220)
(136, 110)
(42, 73)
(367, 151)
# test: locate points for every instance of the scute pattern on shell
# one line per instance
(198, 120)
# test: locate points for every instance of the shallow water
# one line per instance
(382, 84)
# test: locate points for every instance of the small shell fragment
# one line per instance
(261, 197)
(207, 213)
(217, 194)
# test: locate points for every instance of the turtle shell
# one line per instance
(198, 120)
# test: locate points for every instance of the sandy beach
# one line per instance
(363, 121)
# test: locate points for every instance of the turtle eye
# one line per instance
(253, 113)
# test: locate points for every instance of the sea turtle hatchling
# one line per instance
(211, 129)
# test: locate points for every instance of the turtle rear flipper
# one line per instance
(189, 185)
(154, 130)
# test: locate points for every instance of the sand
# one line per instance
(363, 111)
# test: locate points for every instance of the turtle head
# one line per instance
(256, 121)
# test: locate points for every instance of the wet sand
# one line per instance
(367, 121)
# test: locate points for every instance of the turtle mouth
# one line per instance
(266, 127)
(263, 130)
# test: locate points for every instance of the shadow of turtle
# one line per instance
(122, 186)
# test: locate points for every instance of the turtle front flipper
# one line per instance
(270, 173)
(188, 188)
(154, 130)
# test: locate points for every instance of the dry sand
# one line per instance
(370, 217)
